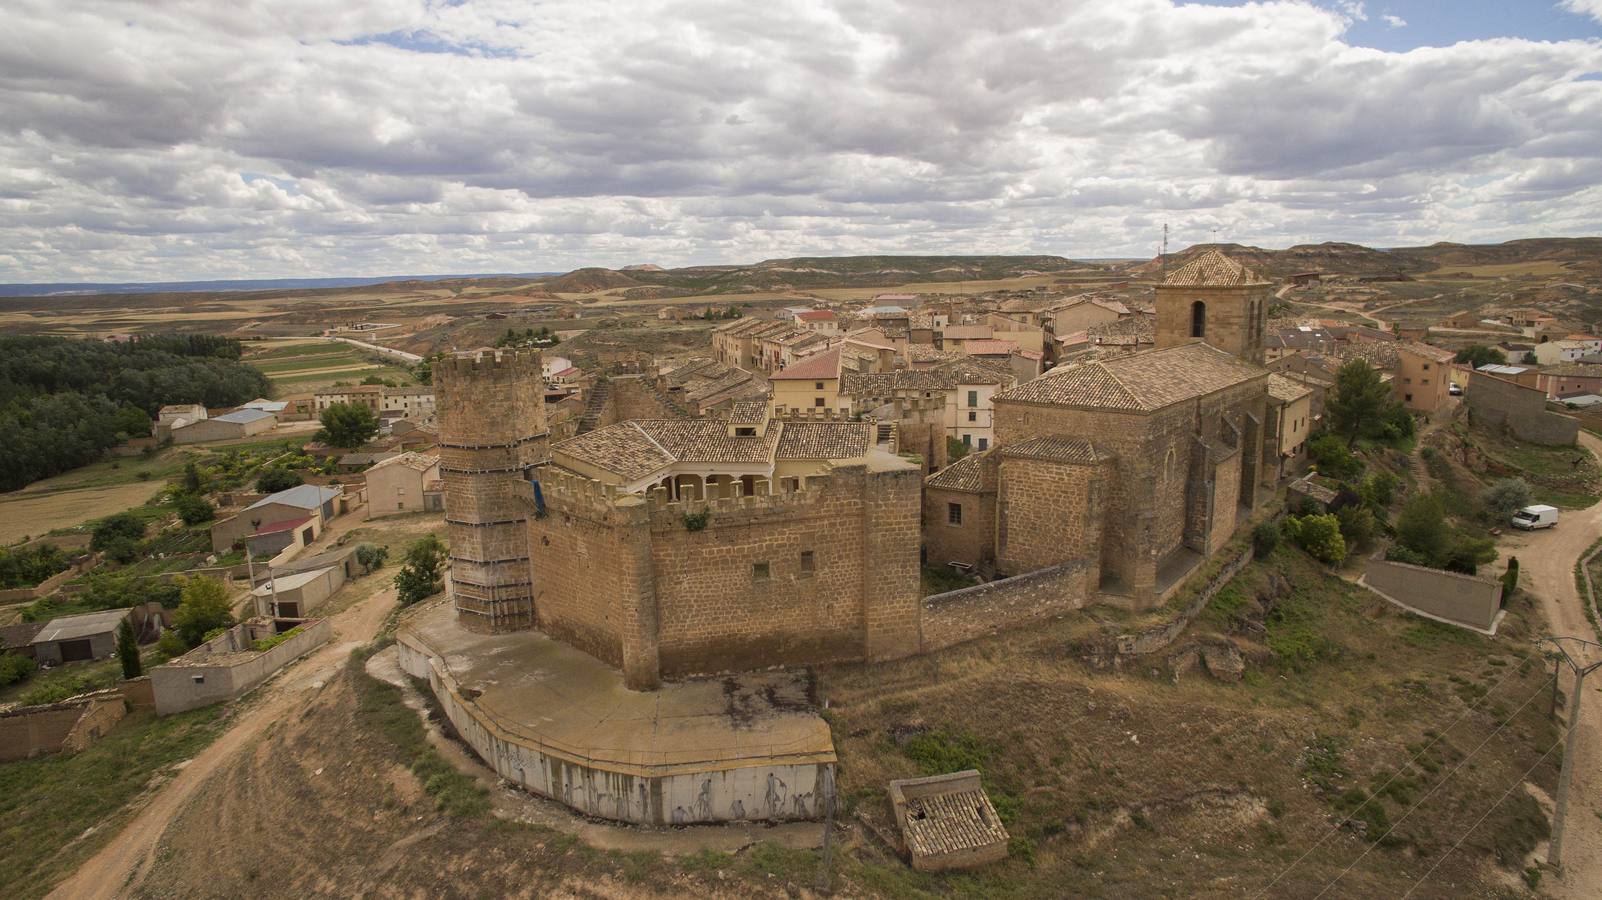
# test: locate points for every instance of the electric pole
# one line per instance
(1554, 855)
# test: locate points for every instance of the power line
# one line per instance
(1428, 794)
(1441, 735)
(1520, 780)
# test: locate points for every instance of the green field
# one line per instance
(307, 365)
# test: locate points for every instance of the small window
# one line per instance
(759, 571)
(973, 398)
(809, 563)
(817, 385)
(967, 440)
(745, 431)
(973, 416)
(953, 513)
(1408, 398)
(1426, 367)
(817, 402)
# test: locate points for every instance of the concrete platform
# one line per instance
(561, 724)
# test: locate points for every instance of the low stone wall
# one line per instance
(66, 727)
(139, 692)
(1451, 597)
(963, 615)
(192, 681)
(43, 588)
(1158, 637)
(644, 794)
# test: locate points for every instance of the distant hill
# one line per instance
(810, 272)
(1333, 258)
(47, 289)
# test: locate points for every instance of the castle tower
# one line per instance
(491, 407)
(1212, 298)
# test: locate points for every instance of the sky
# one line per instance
(190, 139)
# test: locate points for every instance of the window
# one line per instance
(817, 402)
(759, 571)
(953, 513)
(984, 443)
(809, 563)
(1426, 367)
(967, 440)
(1408, 397)
(973, 416)
(817, 385)
(973, 398)
(745, 431)
(1198, 319)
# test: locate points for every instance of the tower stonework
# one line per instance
(492, 432)
(1214, 299)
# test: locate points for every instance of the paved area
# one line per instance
(557, 698)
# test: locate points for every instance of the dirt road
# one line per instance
(1546, 566)
(124, 861)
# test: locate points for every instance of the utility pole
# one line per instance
(1554, 855)
(1162, 255)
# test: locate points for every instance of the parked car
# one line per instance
(1454, 390)
(1532, 517)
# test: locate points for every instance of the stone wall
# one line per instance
(1158, 637)
(215, 671)
(637, 397)
(66, 727)
(963, 615)
(829, 572)
(973, 542)
(1521, 410)
(1467, 600)
(492, 431)
(1235, 317)
(1049, 513)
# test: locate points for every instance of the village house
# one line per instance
(1570, 349)
(295, 503)
(1424, 376)
(412, 403)
(241, 423)
(368, 395)
(406, 483)
(1570, 380)
(811, 386)
(1290, 408)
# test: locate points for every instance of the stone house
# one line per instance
(405, 483)
(296, 502)
(415, 404)
(1570, 379)
(1424, 376)
(1290, 421)
(368, 395)
(959, 514)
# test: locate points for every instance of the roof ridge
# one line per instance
(653, 441)
(1102, 364)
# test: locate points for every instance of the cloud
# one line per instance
(1592, 8)
(160, 141)
(1394, 21)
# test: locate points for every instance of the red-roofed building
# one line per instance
(810, 383)
(822, 321)
(273, 538)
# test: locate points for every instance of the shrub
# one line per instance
(1505, 497)
(419, 577)
(1265, 538)
(697, 521)
(118, 536)
(1510, 578)
(194, 509)
(1320, 536)
(204, 609)
(1379, 489)
(371, 556)
(171, 645)
(1422, 528)
(1357, 527)
(16, 668)
(941, 751)
(276, 479)
(1332, 457)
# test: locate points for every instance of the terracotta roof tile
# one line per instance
(817, 366)
(1212, 269)
(1138, 381)
(823, 440)
(971, 473)
(1057, 448)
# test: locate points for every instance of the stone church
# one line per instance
(1137, 467)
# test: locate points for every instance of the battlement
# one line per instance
(815, 414)
(491, 363)
(666, 511)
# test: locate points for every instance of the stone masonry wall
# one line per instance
(963, 615)
(1230, 318)
(1050, 513)
(491, 409)
(1521, 410)
(973, 542)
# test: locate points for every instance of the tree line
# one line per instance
(64, 401)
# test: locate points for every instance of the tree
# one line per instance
(1357, 526)
(1360, 404)
(1421, 528)
(1477, 355)
(1331, 456)
(118, 536)
(371, 556)
(1319, 535)
(1506, 497)
(1265, 538)
(128, 651)
(204, 607)
(419, 577)
(955, 449)
(193, 508)
(1378, 490)
(193, 482)
(347, 425)
(1510, 578)
(132, 422)
(277, 478)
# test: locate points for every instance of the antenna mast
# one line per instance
(1162, 256)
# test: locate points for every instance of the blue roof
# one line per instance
(301, 496)
(243, 416)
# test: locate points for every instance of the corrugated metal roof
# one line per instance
(68, 628)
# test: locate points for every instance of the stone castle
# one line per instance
(668, 547)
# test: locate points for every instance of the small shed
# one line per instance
(76, 638)
(947, 822)
(297, 595)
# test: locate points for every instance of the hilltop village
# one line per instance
(812, 567)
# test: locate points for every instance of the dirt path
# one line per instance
(122, 863)
(1546, 566)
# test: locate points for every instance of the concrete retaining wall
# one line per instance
(642, 794)
(1467, 600)
(189, 682)
(963, 615)
(1522, 410)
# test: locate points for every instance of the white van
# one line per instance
(1532, 517)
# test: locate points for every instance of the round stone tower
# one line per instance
(492, 432)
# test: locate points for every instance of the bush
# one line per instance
(1422, 528)
(171, 645)
(1506, 497)
(1320, 536)
(419, 576)
(194, 509)
(1510, 578)
(118, 534)
(1332, 457)
(276, 479)
(955, 449)
(1357, 527)
(26, 568)
(371, 556)
(204, 608)
(1379, 489)
(16, 668)
(1265, 538)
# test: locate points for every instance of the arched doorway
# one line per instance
(1198, 319)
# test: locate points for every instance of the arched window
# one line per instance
(1198, 319)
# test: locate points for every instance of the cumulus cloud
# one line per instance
(1592, 8)
(1394, 21)
(171, 140)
